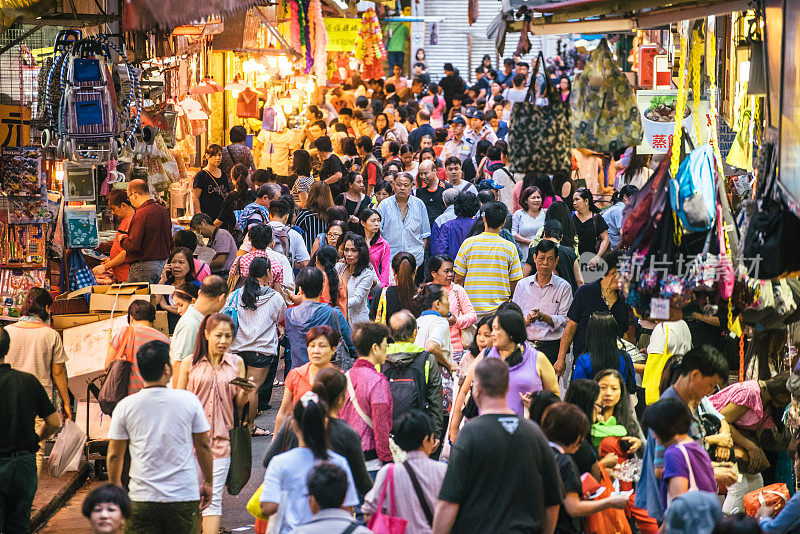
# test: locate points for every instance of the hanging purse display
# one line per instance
(605, 116)
(540, 137)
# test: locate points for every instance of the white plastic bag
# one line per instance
(67, 451)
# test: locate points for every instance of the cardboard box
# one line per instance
(64, 322)
(116, 298)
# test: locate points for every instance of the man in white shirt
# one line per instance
(400, 131)
(164, 428)
(459, 144)
(286, 240)
(210, 299)
(478, 129)
(452, 165)
(545, 300)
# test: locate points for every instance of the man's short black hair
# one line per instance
(612, 257)
(365, 335)
(452, 160)
(480, 70)
(495, 213)
(365, 143)
(310, 280)
(508, 62)
(448, 67)
(321, 125)
(346, 111)
(553, 228)
(198, 219)
(262, 176)
(485, 197)
(362, 102)
(185, 239)
(518, 80)
(327, 483)
(265, 190)
(411, 429)
(564, 423)
(107, 493)
(260, 236)
(5, 342)
(390, 88)
(279, 207)
(394, 148)
(238, 134)
(323, 144)
(706, 359)
(141, 310)
(667, 418)
(545, 246)
(466, 204)
(151, 359)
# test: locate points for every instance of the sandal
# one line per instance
(258, 432)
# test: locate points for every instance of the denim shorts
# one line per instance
(256, 359)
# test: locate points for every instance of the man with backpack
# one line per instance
(413, 374)
(286, 240)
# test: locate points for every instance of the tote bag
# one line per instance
(118, 378)
(611, 521)
(540, 137)
(241, 452)
(382, 523)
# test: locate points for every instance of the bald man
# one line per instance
(430, 189)
(149, 238)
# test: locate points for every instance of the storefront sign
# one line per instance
(15, 126)
(658, 133)
(726, 136)
(342, 34)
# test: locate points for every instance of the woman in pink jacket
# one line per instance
(462, 314)
(380, 255)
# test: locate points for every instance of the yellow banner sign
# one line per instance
(342, 34)
(15, 126)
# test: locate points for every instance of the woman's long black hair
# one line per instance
(433, 89)
(404, 266)
(428, 295)
(586, 195)
(363, 251)
(559, 211)
(486, 320)
(259, 268)
(191, 276)
(601, 342)
(364, 216)
(583, 393)
(327, 256)
(622, 411)
(310, 414)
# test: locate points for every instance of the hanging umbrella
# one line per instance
(235, 85)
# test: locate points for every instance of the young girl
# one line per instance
(687, 465)
(184, 296)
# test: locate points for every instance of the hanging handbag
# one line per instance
(540, 137)
(381, 523)
(643, 212)
(241, 452)
(772, 231)
(247, 104)
(118, 378)
(774, 497)
(605, 116)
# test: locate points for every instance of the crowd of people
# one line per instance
(446, 360)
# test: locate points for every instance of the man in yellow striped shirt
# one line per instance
(487, 265)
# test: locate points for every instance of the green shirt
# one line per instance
(397, 40)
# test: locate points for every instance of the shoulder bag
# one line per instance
(241, 452)
(234, 276)
(382, 523)
(692, 481)
(118, 378)
(540, 137)
(423, 501)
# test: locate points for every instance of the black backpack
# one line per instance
(407, 384)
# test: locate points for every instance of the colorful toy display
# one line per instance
(369, 46)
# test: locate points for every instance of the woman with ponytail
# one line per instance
(287, 472)
(259, 309)
(400, 295)
(434, 104)
(210, 186)
(330, 385)
(236, 200)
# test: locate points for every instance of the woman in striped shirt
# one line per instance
(313, 218)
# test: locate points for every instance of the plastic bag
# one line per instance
(66, 453)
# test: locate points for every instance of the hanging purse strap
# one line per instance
(426, 508)
(352, 393)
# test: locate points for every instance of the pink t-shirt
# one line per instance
(747, 394)
(202, 269)
(436, 111)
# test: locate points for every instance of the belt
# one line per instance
(15, 454)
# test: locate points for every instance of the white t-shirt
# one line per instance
(159, 424)
(679, 341)
(466, 186)
(185, 334)
(515, 95)
(434, 327)
(296, 243)
(288, 472)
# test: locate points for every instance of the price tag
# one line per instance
(659, 309)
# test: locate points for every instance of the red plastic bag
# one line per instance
(774, 496)
(611, 521)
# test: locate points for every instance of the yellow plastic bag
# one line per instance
(254, 505)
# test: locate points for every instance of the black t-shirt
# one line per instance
(433, 200)
(572, 484)
(499, 468)
(22, 398)
(393, 304)
(588, 232)
(588, 300)
(329, 167)
(565, 266)
(212, 192)
(353, 208)
(584, 457)
(234, 202)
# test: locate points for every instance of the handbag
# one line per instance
(247, 104)
(118, 378)
(540, 137)
(381, 523)
(231, 308)
(605, 116)
(643, 212)
(611, 521)
(241, 452)
(774, 496)
(773, 228)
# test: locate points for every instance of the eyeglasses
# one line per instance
(333, 235)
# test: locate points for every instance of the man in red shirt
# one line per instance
(149, 238)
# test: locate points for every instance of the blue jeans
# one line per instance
(395, 58)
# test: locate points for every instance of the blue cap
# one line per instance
(489, 183)
(458, 119)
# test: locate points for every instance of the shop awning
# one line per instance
(145, 14)
(593, 16)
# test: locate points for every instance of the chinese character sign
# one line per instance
(342, 34)
(15, 126)
(658, 120)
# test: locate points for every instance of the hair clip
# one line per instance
(307, 397)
